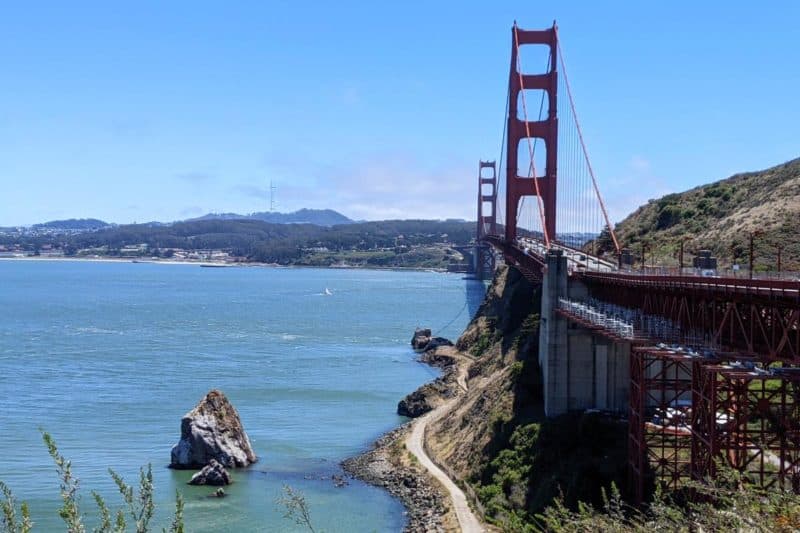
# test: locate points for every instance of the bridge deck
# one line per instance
(529, 254)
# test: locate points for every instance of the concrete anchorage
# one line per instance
(581, 369)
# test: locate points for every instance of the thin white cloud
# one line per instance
(381, 187)
(639, 183)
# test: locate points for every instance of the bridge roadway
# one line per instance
(754, 317)
(528, 254)
(531, 254)
(576, 259)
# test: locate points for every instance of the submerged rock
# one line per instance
(212, 474)
(212, 431)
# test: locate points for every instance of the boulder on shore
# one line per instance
(426, 398)
(212, 474)
(414, 405)
(420, 339)
(212, 431)
(435, 342)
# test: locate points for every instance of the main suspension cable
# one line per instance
(500, 181)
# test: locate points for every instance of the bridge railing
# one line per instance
(706, 273)
(760, 287)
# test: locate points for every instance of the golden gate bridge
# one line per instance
(708, 366)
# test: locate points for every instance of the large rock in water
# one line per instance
(423, 341)
(414, 405)
(420, 339)
(212, 430)
(211, 474)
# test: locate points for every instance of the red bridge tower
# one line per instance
(543, 186)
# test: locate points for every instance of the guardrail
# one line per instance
(757, 287)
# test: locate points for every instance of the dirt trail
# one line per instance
(415, 443)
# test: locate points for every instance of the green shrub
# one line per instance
(668, 216)
(482, 343)
(140, 505)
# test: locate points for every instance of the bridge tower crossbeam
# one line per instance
(543, 186)
(487, 223)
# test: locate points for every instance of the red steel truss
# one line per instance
(531, 266)
(748, 420)
(659, 434)
(690, 414)
(760, 318)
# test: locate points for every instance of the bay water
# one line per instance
(108, 356)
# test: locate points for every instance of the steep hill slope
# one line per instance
(497, 440)
(720, 216)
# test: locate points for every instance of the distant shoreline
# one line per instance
(218, 264)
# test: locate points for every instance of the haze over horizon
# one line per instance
(144, 112)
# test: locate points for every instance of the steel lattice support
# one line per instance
(518, 186)
(484, 261)
(748, 420)
(636, 419)
(705, 445)
(755, 317)
(741, 415)
(659, 434)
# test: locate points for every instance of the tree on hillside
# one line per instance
(604, 242)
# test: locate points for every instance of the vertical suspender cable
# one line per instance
(583, 145)
(499, 182)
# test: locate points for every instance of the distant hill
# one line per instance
(720, 217)
(387, 243)
(318, 217)
(74, 224)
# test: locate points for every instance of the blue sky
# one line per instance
(136, 111)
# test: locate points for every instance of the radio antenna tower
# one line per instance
(271, 197)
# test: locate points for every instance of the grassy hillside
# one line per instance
(529, 473)
(516, 461)
(720, 216)
(386, 243)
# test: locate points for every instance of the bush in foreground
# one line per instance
(728, 505)
(139, 505)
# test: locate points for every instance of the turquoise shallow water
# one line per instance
(107, 357)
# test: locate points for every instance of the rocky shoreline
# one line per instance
(390, 466)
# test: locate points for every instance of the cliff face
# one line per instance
(503, 340)
(498, 441)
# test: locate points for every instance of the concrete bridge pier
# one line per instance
(580, 369)
(483, 261)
